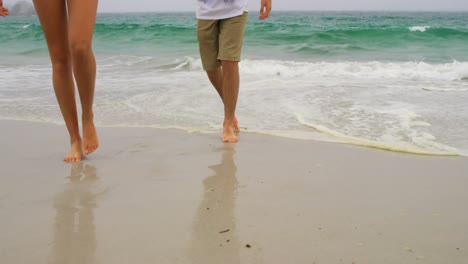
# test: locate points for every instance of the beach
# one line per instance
(168, 196)
(353, 145)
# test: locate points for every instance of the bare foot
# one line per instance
(236, 125)
(75, 154)
(90, 137)
(228, 133)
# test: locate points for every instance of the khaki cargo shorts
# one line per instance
(220, 40)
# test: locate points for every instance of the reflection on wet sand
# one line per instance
(214, 238)
(74, 229)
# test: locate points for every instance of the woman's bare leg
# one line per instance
(82, 18)
(53, 17)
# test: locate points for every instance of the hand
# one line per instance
(265, 8)
(3, 11)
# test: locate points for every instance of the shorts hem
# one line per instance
(211, 67)
(229, 59)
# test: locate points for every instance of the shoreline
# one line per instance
(325, 136)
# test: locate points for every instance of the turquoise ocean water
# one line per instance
(395, 81)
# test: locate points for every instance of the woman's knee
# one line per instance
(61, 59)
(80, 49)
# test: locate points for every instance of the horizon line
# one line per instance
(306, 10)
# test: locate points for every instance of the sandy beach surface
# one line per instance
(167, 196)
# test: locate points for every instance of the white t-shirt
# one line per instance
(220, 9)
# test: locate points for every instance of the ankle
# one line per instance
(229, 120)
(75, 140)
(88, 117)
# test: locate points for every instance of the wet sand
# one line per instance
(166, 196)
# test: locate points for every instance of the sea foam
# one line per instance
(419, 28)
(388, 105)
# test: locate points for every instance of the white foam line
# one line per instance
(25, 119)
(33, 105)
(445, 90)
(370, 143)
(299, 135)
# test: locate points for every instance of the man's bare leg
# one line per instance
(53, 17)
(230, 94)
(216, 78)
(82, 18)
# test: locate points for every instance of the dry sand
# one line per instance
(166, 196)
